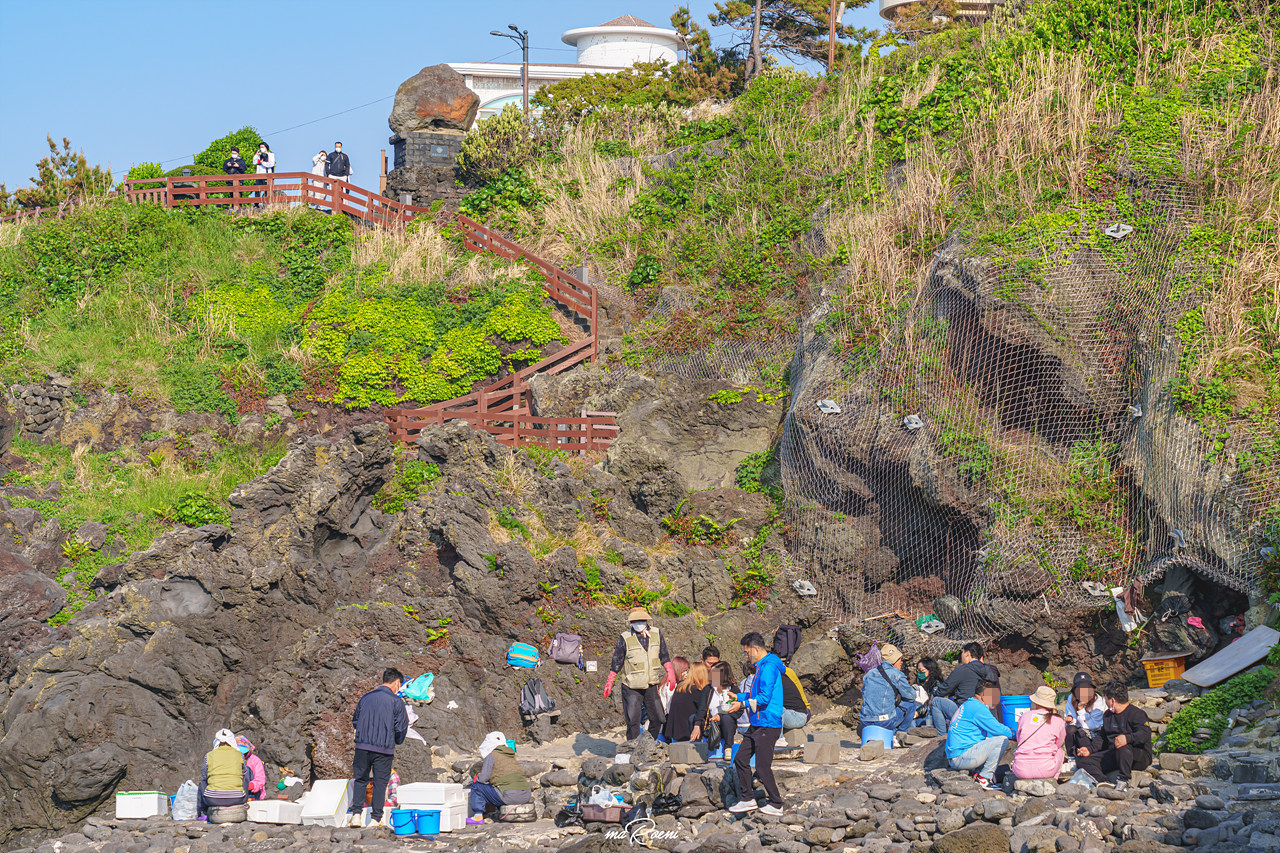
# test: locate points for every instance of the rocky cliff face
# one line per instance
(277, 622)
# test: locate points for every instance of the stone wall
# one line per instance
(425, 165)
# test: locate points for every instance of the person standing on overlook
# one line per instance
(234, 165)
(339, 164)
(641, 656)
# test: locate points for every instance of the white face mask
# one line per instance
(639, 627)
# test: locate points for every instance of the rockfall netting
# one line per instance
(1011, 445)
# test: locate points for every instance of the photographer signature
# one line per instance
(643, 828)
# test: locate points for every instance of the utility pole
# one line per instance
(522, 38)
(831, 39)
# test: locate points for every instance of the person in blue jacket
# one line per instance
(976, 740)
(888, 699)
(764, 713)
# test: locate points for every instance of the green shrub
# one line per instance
(510, 191)
(411, 479)
(194, 509)
(196, 386)
(246, 139)
(145, 170)
(500, 143)
(1210, 710)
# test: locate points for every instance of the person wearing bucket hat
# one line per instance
(1040, 737)
(224, 778)
(1083, 716)
(257, 772)
(888, 699)
(500, 781)
(641, 657)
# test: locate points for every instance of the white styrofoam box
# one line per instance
(422, 795)
(327, 803)
(131, 804)
(275, 811)
(453, 817)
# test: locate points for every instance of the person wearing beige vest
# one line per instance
(641, 657)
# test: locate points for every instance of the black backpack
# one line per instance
(534, 699)
(786, 641)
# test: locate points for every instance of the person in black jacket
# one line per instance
(339, 164)
(381, 724)
(234, 165)
(689, 714)
(1127, 736)
(965, 681)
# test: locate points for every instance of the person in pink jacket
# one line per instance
(1042, 735)
(257, 784)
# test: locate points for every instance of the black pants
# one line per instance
(633, 700)
(1078, 737)
(758, 741)
(722, 735)
(379, 765)
(1126, 759)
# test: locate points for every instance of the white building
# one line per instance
(615, 44)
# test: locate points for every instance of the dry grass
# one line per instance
(513, 478)
(11, 233)
(420, 256)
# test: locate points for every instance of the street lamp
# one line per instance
(522, 37)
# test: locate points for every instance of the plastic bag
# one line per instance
(1082, 777)
(184, 803)
(602, 796)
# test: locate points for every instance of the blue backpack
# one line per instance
(522, 655)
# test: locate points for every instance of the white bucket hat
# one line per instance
(491, 741)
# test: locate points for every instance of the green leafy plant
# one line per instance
(725, 397)
(411, 479)
(75, 550)
(675, 609)
(153, 435)
(547, 615)
(645, 272)
(697, 530)
(1210, 710)
(545, 458)
(194, 509)
(600, 505)
(507, 519)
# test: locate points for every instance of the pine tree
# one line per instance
(796, 29)
(62, 175)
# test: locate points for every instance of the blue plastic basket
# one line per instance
(1010, 707)
(428, 821)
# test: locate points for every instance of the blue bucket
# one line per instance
(402, 822)
(883, 735)
(1010, 708)
(428, 821)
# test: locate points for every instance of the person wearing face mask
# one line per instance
(1083, 716)
(641, 657)
(339, 164)
(764, 706)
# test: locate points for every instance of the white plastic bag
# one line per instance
(1082, 777)
(185, 804)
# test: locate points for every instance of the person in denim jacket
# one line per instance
(888, 699)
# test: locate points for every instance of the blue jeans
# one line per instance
(903, 717)
(483, 796)
(985, 754)
(794, 720)
(941, 710)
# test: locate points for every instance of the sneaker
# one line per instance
(984, 782)
(772, 810)
(478, 820)
(1106, 783)
(899, 739)
(782, 742)
(1122, 785)
(744, 806)
(356, 820)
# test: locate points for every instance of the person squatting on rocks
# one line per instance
(928, 676)
(888, 699)
(976, 739)
(381, 724)
(1126, 737)
(764, 707)
(795, 705)
(966, 680)
(225, 777)
(1084, 716)
(690, 709)
(1041, 738)
(500, 781)
(257, 772)
(641, 656)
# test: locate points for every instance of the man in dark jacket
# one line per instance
(234, 165)
(1127, 736)
(964, 682)
(381, 723)
(339, 164)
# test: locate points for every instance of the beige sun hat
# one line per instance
(890, 654)
(1045, 697)
(638, 614)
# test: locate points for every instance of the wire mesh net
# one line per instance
(1011, 445)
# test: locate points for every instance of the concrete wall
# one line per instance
(620, 51)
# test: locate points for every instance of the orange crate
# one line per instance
(1161, 669)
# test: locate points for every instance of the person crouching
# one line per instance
(225, 778)
(500, 781)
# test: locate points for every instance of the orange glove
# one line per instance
(608, 684)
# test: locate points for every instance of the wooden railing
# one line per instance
(332, 194)
(502, 408)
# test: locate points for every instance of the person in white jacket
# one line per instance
(320, 163)
(263, 161)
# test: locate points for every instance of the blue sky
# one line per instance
(157, 80)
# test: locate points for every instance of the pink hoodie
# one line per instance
(1039, 752)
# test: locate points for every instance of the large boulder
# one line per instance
(436, 97)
